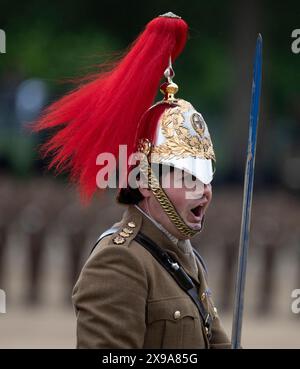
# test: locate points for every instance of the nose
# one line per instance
(199, 191)
(207, 191)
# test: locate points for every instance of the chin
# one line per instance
(195, 223)
(195, 226)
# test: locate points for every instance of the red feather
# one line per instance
(104, 113)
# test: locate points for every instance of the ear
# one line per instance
(143, 185)
(146, 192)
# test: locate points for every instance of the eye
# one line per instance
(190, 177)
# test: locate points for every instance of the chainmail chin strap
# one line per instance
(164, 201)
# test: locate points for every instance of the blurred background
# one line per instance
(46, 234)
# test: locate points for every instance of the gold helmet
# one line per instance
(181, 140)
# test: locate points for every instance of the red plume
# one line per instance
(104, 113)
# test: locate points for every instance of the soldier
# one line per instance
(144, 285)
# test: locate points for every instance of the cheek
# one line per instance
(209, 196)
(178, 198)
(154, 204)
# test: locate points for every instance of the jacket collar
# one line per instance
(147, 227)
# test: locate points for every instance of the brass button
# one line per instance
(127, 230)
(215, 310)
(177, 314)
(203, 296)
(131, 224)
(206, 329)
(124, 234)
(118, 240)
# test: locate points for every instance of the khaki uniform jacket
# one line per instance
(125, 299)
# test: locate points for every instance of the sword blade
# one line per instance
(247, 198)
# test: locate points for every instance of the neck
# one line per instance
(144, 209)
(184, 245)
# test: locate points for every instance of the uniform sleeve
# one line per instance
(110, 300)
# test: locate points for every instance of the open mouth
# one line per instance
(197, 210)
